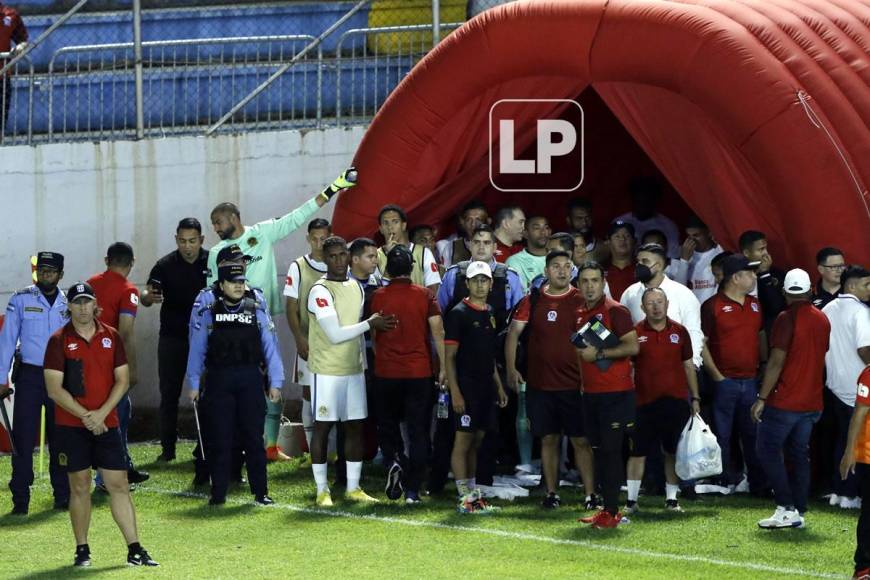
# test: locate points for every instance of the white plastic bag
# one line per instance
(698, 452)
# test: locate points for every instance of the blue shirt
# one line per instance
(31, 320)
(201, 326)
(513, 288)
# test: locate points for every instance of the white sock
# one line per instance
(462, 487)
(354, 471)
(307, 421)
(319, 470)
(633, 489)
(671, 491)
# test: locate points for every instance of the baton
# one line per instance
(6, 424)
(198, 430)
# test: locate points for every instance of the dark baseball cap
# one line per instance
(231, 273)
(399, 259)
(79, 290)
(49, 260)
(621, 225)
(737, 263)
(231, 253)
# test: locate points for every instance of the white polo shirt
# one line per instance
(683, 307)
(700, 274)
(850, 330)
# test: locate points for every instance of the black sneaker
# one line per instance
(83, 557)
(135, 476)
(61, 504)
(552, 501)
(200, 479)
(140, 558)
(20, 509)
(217, 500)
(264, 500)
(673, 505)
(394, 482)
(593, 502)
(165, 457)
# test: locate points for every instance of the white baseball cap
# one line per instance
(797, 282)
(478, 268)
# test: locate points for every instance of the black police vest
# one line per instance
(497, 296)
(235, 337)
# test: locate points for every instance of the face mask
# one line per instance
(46, 288)
(643, 273)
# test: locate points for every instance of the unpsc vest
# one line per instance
(308, 275)
(234, 340)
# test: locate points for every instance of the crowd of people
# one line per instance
(468, 355)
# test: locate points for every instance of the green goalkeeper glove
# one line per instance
(346, 180)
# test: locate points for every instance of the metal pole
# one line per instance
(43, 36)
(137, 64)
(299, 56)
(436, 22)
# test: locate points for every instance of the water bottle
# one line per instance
(443, 402)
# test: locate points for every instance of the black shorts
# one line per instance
(608, 411)
(555, 412)
(662, 420)
(79, 449)
(481, 405)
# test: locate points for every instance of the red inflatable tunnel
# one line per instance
(756, 111)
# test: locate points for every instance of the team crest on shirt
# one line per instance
(62, 459)
(133, 298)
(551, 316)
(863, 390)
(322, 411)
(252, 241)
(599, 317)
(465, 420)
(107, 343)
(675, 338)
(754, 307)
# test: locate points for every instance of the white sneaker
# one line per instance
(833, 499)
(743, 486)
(782, 518)
(850, 503)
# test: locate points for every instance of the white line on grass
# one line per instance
(512, 535)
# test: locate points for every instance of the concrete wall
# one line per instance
(78, 198)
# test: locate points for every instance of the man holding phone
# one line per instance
(173, 283)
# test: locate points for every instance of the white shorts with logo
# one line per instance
(338, 398)
(301, 372)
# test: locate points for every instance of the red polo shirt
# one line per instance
(619, 279)
(617, 377)
(115, 296)
(503, 252)
(732, 331)
(404, 352)
(659, 370)
(100, 357)
(553, 362)
(802, 331)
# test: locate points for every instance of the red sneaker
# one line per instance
(862, 574)
(603, 519)
(590, 519)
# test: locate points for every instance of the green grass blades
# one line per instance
(713, 538)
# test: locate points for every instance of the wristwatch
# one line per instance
(599, 355)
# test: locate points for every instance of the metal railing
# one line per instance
(186, 84)
(9, 100)
(377, 60)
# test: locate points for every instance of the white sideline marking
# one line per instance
(511, 535)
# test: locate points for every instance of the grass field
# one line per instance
(715, 538)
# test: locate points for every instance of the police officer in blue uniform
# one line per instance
(231, 342)
(32, 315)
(231, 254)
